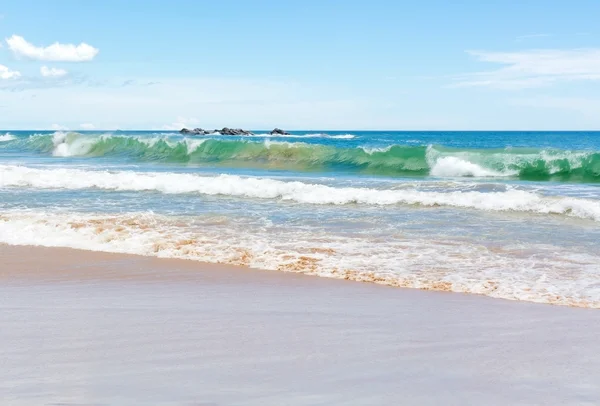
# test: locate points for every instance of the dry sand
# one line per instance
(83, 328)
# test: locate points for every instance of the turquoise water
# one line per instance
(514, 215)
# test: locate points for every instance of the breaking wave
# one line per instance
(394, 160)
(294, 191)
(7, 137)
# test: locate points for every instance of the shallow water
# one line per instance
(514, 215)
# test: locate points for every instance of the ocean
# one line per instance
(511, 215)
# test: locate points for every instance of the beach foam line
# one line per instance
(555, 275)
(511, 200)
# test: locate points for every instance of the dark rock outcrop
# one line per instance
(200, 131)
(279, 131)
(223, 131)
(195, 131)
(234, 131)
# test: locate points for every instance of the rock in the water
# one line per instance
(224, 131)
(279, 131)
(200, 131)
(234, 131)
(195, 131)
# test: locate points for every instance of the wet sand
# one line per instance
(104, 329)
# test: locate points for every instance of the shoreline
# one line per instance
(27, 264)
(67, 255)
(87, 327)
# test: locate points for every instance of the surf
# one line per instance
(560, 276)
(7, 137)
(532, 164)
(510, 200)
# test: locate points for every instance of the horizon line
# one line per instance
(310, 130)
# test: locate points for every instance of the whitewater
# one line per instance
(512, 215)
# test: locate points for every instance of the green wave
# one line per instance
(396, 160)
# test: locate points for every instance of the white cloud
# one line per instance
(55, 52)
(6, 73)
(52, 72)
(58, 127)
(534, 68)
(87, 126)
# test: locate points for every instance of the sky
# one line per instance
(300, 64)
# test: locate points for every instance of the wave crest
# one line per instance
(299, 192)
(393, 160)
(7, 137)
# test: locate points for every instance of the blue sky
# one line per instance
(300, 64)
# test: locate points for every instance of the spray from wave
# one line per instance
(7, 137)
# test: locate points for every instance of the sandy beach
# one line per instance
(83, 328)
(299, 203)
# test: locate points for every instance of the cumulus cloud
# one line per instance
(6, 73)
(87, 126)
(533, 68)
(58, 127)
(52, 72)
(55, 52)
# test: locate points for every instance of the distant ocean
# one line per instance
(513, 215)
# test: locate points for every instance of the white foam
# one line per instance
(555, 275)
(149, 142)
(316, 135)
(193, 144)
(71, 144)
(372, 150)
(455, 167)
(58, 137)
(265, 188)
(7, 137)
(554, 160)
(343, 136)
(506, 163)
